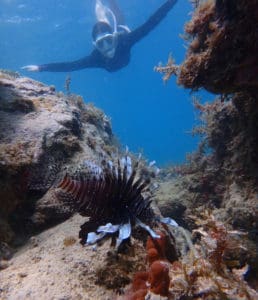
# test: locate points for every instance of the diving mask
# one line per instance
(106, 41)
(106, 44)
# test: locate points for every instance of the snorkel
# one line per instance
(106, 43)
(114, 20)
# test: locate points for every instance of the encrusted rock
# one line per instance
(41, 133)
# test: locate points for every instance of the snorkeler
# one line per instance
(112, 40)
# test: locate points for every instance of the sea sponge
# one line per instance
(156, 279)
(202, 273)
(160, 249)
(159, 278)
(139, 281)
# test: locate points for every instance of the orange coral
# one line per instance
(139, 286)
(202, 273)
(139, 281)
(159, 278)
(160, 249)
(156, 279)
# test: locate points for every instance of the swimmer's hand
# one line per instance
(31, 68)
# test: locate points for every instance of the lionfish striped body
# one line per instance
(113, 197)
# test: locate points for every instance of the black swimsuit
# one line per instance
(123, 50)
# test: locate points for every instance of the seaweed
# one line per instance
(222, 52)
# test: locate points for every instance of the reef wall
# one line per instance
(221, 176)
(42, 132)
(222, 53)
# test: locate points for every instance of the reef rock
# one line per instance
(222, 54)
(221, 176)
(41, 133)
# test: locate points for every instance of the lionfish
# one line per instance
(115, 199)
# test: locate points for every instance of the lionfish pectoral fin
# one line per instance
(102, 231)
(124, 233)
(168, 221)
(108, 228)
(92, 237)
(147, 228)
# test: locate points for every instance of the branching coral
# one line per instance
(168, 70)
(115, 197)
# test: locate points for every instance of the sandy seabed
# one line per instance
(46, 268)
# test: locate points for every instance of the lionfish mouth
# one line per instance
(115, 197)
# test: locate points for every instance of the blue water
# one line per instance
(146, 115)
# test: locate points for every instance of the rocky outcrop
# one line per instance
(42, 133)
(222, 53)
(221, 176)
(45, 134)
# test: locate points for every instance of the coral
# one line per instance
(115, 197)
(168, 70)
(159, 252)
(219, 243)
(222, 174)
(160, 249)
(156, 280)
(139, 284)
(9, 73)
(202, 273)
(95, 116)
(9, 152)
(229, 134)
(206, 274)
(159, 278)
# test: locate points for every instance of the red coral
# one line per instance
(160, 249)
(156, 279)
(156, 248)
(159, 278)
(139, 281)
(139, 286)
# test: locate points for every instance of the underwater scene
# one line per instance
(128, 149)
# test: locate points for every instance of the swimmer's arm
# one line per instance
(140, 32)
(90, 61)
(31, 68)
